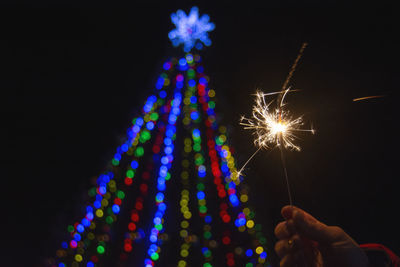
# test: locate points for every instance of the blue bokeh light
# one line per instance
(115, 208)
(190, 29)
(249, 253)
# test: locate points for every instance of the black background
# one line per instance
(74, 76)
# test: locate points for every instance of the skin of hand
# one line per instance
(305, 241)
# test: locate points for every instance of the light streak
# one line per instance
(367, 97)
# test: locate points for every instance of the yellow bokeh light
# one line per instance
(184, 175)
(185, 163)
(78, 257)
(99, 213)
(91, 236)
(183, 233)
(250, 223)
(184, 209)
(182, 263)
(244, 198)
(246, 211)
(234, 176)
(184, 224)
(184, 253)
(104, 202)
(186, 120)
(187, 215)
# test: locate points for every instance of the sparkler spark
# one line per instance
(273, 126)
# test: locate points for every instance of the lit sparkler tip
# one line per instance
(273, 126)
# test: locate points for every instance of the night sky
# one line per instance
(73, 77)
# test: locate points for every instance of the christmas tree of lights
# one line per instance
(172, 195)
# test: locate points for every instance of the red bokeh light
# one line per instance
(128, 247)
(132, 226)
(226, 240)
(135, 217)
(128, 181)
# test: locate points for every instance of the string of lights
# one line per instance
(187, 237)
(185, 231)
(134, 233)
(164, 176)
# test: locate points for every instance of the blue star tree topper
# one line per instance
(190, 28)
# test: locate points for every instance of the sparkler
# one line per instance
(273, 125)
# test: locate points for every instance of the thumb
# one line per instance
(309, 227)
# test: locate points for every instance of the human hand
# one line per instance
(305, 241)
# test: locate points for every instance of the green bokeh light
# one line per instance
(100, 249)
(139, 151)
(120, 194)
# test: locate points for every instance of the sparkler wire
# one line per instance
(286, 176)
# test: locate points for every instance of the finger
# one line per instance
(281, 248)
(284, 229)
(311, 228)
(288, 246)
(287, 211)
(288, 261)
